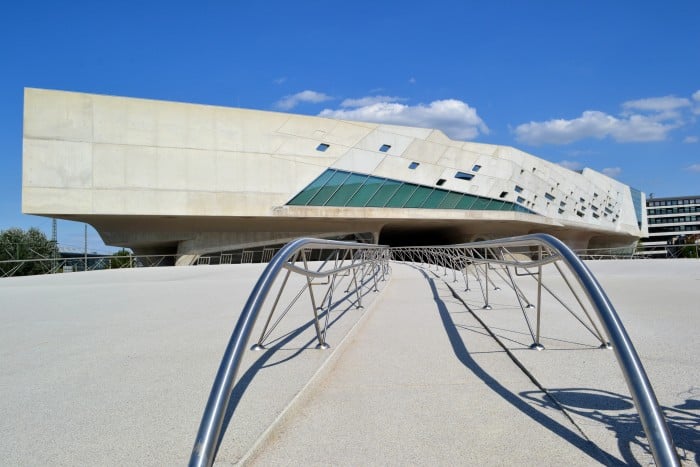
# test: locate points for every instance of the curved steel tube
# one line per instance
(207, 441)
(642, 393)
(650, 413)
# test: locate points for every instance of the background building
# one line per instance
(164, 177)
(672, 222)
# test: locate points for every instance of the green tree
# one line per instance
(20, 245)
(120, 259)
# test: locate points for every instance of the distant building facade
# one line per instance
(672, 222)
(164, 177)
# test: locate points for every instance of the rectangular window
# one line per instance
(413, 165)
(464, 176)
(503, 194)
(476, 168)
(549, 197)
(518, 189)
(520, 199)
(322, 147)
(385, 148)
(440, 182)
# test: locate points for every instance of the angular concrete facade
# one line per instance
(164, 177)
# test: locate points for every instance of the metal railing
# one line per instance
(523, 257)
(355, 266)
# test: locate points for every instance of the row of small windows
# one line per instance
(672, 220)
(349, 189)
(322, 147)
(686, 209)
(673, 202)
(676, 228)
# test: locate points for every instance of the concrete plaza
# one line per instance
(114, 368)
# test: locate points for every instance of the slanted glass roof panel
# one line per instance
(450, 200)
(466, 202)
(402, 195)
(480, 204)
(310, 191)
(345, 192)
(385, 192)
(495, 205)
(434, 199)
(341, 188)
(418, 197)
(365, 193)
(329, 188)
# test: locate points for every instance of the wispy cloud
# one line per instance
(280, 80)
(370, 100)
(657, 104)
(454, 117)
(612, 171)
(690, 139)
(571, 165)
(292, 100)
(693, 168)
(642, 120)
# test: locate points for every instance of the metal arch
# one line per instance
(642, 393)
(207, 440)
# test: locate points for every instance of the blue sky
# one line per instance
(614, 86)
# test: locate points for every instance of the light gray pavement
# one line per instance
(114, 367)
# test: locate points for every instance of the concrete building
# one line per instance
(671, 222)
(164, 177)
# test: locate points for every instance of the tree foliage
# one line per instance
(120, 259)
(18, 246)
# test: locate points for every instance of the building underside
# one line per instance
(171, 178)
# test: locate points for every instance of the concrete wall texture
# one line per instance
(172, 177)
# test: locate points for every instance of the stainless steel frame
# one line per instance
(535, 251)
(364, 260)
(506, 258)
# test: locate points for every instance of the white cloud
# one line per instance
(571, 165)
(452, 116)
(612, 171)
(641, 120)
(280, 80)
(657, 104)
(412, 80)
(593, 124)
(291, 101)
(693, 168)
(696, 98)
(690, 139)
(370, 100)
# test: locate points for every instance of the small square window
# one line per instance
(476, 168)
(385, 148)
(464, 176)
(503, 194)
(413, 165)
(440, 182)
(322, 147)
(518, 189)
(520, 199)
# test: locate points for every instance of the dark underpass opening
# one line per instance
(420, 236)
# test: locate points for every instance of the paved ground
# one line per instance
(114, 367)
